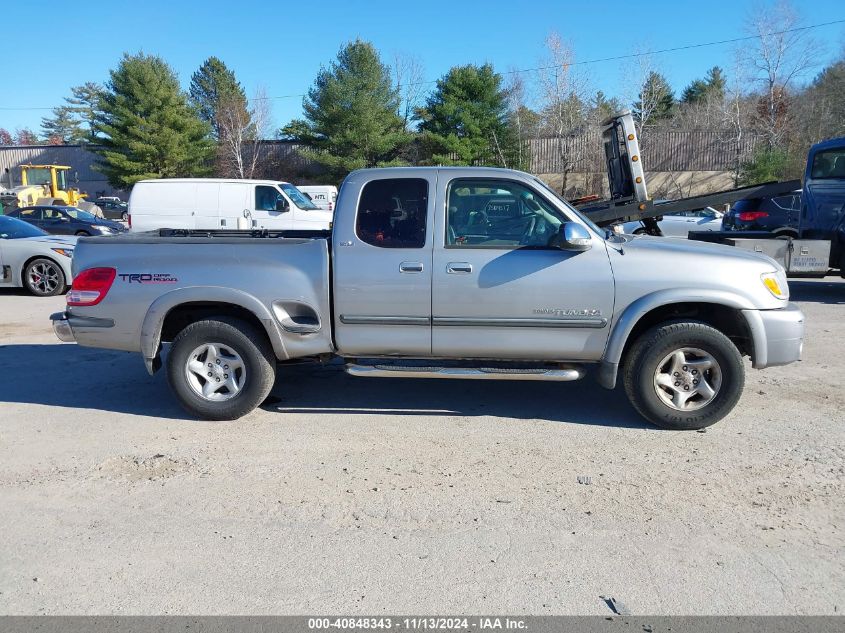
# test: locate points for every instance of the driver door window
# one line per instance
(268, 199)
(272, 210)
(498, 214)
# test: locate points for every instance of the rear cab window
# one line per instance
(392, 213)
(829, 164)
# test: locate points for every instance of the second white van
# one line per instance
(211, 203)
(324, 196)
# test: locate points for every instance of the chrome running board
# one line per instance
(387, 370)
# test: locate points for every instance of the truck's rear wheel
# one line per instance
(221, 369)
(683, 375)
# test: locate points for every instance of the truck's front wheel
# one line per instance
(221, 369)
(683, 375)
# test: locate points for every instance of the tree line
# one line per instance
(363, 112)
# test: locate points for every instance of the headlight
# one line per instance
(103, 229)
(67, 252)
(776, 284)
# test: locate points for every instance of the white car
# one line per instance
(33, 259)
(681, 223)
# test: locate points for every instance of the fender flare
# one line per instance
(625, 323)
(161, 307)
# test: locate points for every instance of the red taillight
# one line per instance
(129, 220)
(750, 216)
(91, 286)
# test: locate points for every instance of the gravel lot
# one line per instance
(365, 496)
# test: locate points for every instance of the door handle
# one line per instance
(455, 268)
(410, 267)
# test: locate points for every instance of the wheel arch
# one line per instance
(168, 315)
(726, 311)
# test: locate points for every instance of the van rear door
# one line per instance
(157, 204)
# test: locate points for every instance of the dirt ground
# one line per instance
(347, 495)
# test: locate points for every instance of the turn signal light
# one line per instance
(91, 286)
(638, 180)
(635, 158)
(770, 280)
(630, 137)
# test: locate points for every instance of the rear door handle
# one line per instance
(410, 267)
(458, 268)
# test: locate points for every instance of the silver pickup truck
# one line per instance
(470, 273)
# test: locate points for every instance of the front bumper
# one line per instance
(64, 324)
(780, 339)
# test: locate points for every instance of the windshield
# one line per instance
(38, 176)
(298, 198)
(13, 229)
(571, 209)
(79, 214)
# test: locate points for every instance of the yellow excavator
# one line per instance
(43, 184)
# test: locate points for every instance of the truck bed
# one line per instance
(280, 278)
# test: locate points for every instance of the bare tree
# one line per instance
(645, 88)
(242, 129)
(564, 95)
(526, 122)
(409, 81)
(735, 125)
(778, 57)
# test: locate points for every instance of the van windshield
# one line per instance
(298, 198)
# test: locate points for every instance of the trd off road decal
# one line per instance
(148, 278)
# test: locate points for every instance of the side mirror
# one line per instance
(282, 205)
(574, 237)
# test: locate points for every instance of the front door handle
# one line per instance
(458, 268)
(410, 267)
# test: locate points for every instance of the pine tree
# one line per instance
(84, 104)
(465, 121)
(145, 127)
(701, 90)
(351, 118)
(656, 100)
(212, 85)
(63, 126)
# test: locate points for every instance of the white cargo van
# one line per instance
(324, 196)
(211, 203)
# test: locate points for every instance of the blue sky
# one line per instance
(280, 46)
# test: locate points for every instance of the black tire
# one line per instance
(241, 338)
(124, 216)
(83, 234)
(43, 277)
(653, 347)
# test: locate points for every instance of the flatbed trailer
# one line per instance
(820, 245)
(629, 198)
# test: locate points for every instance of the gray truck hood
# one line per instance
(643, 245)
